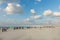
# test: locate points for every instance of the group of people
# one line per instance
(4, 29)
(14, 28)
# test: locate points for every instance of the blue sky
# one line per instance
(29, 12)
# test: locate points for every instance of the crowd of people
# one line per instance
(4, 29)
(14, 28)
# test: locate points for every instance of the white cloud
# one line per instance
(47, 12)
(32, 11)
(18, 5)
(27, 19)
(56, 14)
(36, 17)
(38, 0)
(13, 8)
(31, 18)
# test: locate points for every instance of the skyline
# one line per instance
(16, 12)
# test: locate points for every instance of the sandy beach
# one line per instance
(31, 34)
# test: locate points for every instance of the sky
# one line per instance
(20, 12)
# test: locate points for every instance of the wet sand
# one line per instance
(31, 34)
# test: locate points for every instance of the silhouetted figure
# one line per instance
(28, 27)
(4, 29)
(15, 28)
(19, 27)
(22, 27)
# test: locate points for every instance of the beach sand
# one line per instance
(31, 34)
